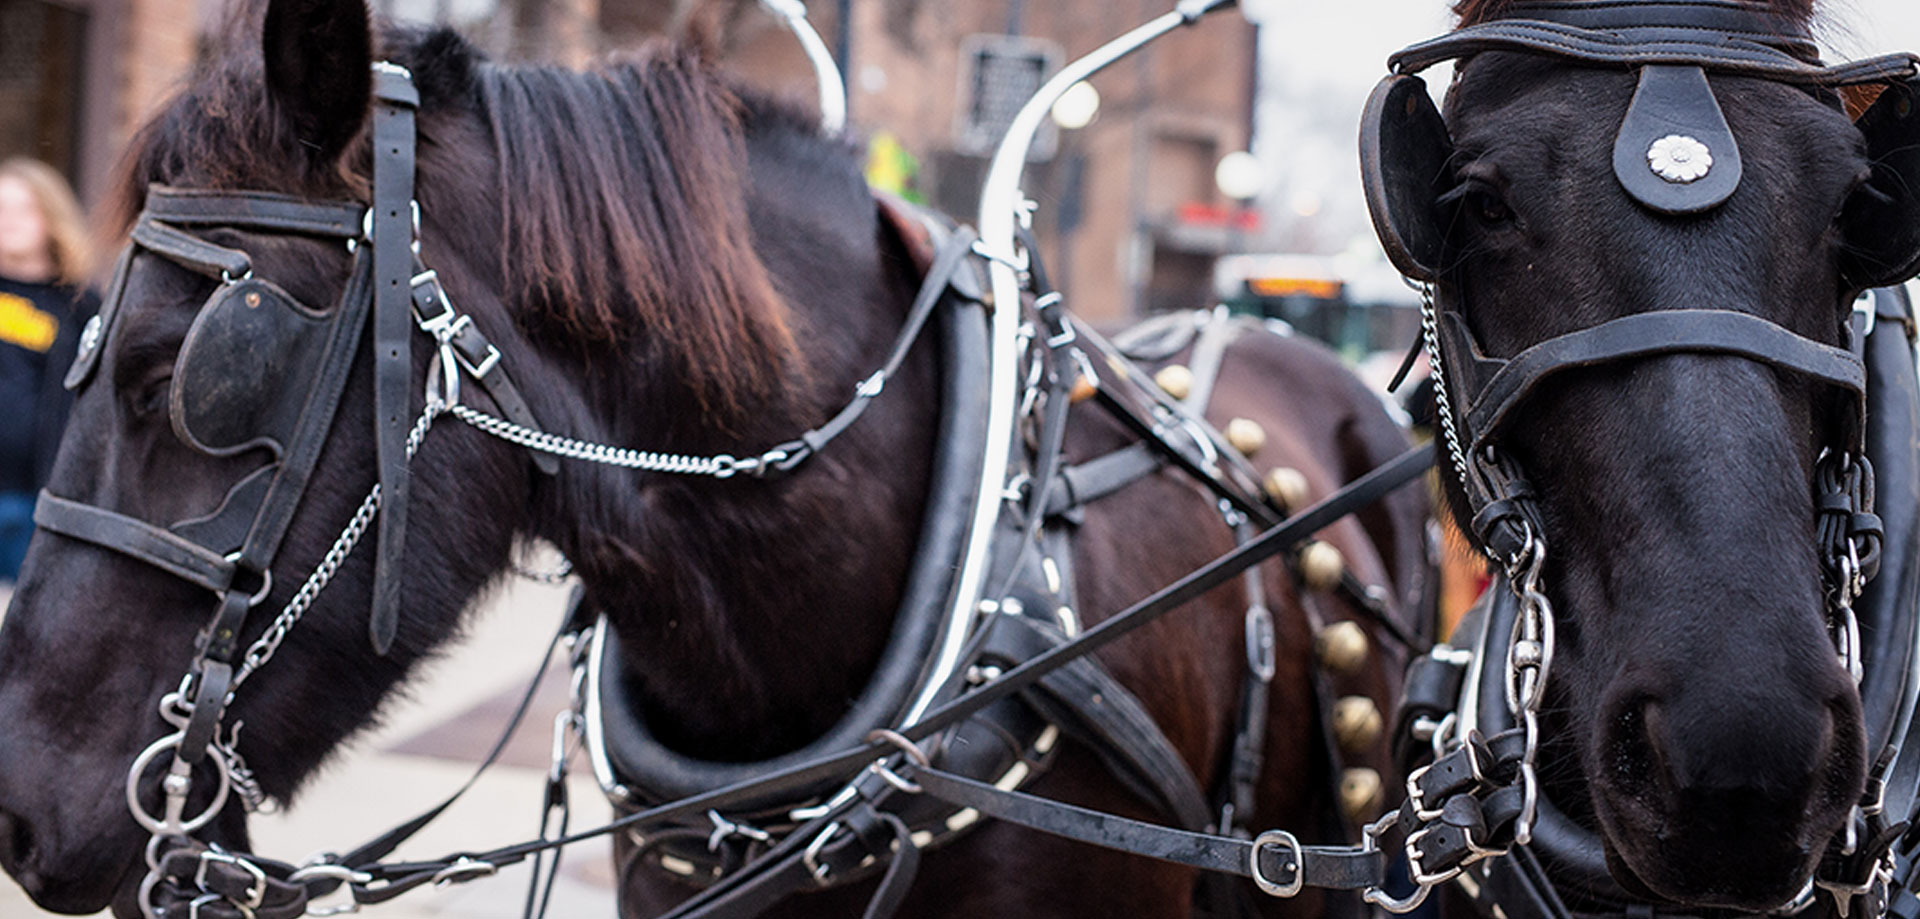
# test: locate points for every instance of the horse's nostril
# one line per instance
(1633, 748)
(16, 843)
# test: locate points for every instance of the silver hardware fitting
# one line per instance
(464, 869)
(724, 829)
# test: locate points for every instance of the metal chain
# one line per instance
(263, 648)
(1443, 404)
(720, 466)
(559, 573)
(1529, 659)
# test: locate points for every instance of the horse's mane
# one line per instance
(621, 192)
(1474, 12)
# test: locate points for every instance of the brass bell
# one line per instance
(1246, 435)
(1356, 724)
(1083, 389)
(1287, 487)
(1342, 647)
(1360, 793)
(1176, 379)
(1321, 565)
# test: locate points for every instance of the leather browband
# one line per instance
(255, 209)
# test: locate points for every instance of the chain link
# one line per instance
(1443, 403)
(263, 648)
(721, 466)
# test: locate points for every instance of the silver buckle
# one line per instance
(1292, 844)
(256, 891)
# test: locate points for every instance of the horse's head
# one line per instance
(1706, 723)
(94, 638)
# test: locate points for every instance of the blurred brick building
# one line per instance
(1130, 215)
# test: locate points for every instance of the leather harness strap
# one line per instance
(1267, 859)
(160, 548)
(1501, 385)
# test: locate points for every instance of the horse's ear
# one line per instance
(319, 58)
(1882, 220)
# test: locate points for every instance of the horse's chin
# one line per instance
(80, 896)
(1657, 866)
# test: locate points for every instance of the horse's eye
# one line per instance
(1479, 202)
(1488, 208)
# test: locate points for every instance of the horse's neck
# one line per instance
(753, 610)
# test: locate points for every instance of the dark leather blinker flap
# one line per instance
(246, 370)
(1675, 152)
(1404, 148)
(1882, 220)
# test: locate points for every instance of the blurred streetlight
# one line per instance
(1077, 107)
(1240, 176)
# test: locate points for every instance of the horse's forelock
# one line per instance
(1474, 12)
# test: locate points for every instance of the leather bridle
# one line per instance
(231, 551)
(1674, 155)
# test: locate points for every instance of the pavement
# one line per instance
(428, 744)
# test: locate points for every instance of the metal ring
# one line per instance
(158, 827)
(911, 749)
(193, 908)
(1291, 843)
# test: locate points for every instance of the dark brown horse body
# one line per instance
(662, 265)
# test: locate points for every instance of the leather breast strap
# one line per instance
(394, 223)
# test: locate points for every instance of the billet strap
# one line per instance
(1641, 335)
(256, 210)
(1275, 860)
(393, 240)
(133, 538)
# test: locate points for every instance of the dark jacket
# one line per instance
(39, 334)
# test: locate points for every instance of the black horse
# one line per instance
(1611, 169)
(662, 262)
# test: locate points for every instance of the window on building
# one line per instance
(41, 47)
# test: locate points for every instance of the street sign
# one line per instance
(998, 74)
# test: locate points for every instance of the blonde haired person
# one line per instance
(43, 304)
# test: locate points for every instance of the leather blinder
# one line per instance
(1404, 148)
(246, 370)
(1882, 219)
